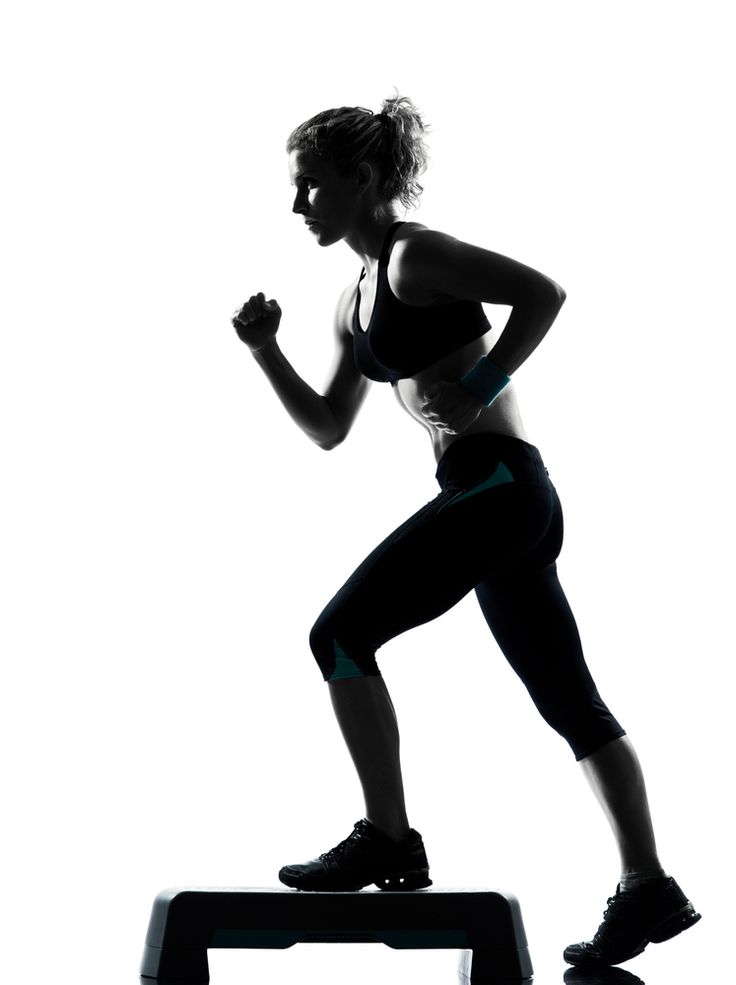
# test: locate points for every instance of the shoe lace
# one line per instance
(614, 904)
(340, 849)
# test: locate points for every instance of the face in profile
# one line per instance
(325, 198)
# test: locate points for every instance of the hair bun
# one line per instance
(347, 135)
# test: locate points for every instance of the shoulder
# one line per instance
(409, 267)
(431, 260)
(420, 250)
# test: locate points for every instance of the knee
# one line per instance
(582, 719)
(586, 733)
(337, 657)
(322, 650)
(591, 745)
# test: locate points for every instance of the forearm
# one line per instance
(306, 407)
(527, 325)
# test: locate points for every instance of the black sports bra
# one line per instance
(403, 339)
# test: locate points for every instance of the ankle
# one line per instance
(650, 867)
(638, 879)
(396, 832)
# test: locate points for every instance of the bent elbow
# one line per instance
(553, 298)
(559, 292)
(554, 293)
(327, 444)
(545, 293)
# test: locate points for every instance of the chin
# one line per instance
(324, 237)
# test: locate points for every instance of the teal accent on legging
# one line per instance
(501, 475)
(344, 666)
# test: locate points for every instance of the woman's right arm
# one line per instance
(326, 419)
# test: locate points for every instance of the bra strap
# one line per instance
(387, 241)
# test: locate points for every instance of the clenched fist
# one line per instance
(257, 321)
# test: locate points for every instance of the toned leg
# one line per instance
(418, 572)
(648, 905)
(615, 776)
(534, 625)
(368, 722)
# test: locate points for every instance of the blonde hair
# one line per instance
(391, 139)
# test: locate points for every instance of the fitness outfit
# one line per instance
(403, 339)
(495, 527)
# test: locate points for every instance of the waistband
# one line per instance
(472, 457)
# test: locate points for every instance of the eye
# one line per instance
(301, 182)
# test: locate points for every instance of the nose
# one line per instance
(299, 203)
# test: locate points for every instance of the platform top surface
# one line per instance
(166, 896)
(429, 890)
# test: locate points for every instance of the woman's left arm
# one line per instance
(435, 261)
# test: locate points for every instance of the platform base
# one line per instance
(484, 924)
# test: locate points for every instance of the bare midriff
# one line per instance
(502, 417)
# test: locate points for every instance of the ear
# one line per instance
(365, 174)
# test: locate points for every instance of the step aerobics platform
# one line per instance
(484, 924)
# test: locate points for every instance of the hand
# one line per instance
(450, 407)
(257, 321)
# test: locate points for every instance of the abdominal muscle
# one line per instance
(502, 417)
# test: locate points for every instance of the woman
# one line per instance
(414, 318)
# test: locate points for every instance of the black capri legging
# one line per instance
(496, 526)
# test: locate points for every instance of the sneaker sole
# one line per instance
(674, 925)
(406, 881)
(395, 881)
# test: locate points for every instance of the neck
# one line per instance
(368, 241)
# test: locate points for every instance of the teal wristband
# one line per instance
(485, 380)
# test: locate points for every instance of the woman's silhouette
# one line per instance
(414, 318)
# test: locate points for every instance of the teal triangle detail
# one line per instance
(344, 666)
(501, 475)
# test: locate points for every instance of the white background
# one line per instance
(169, 535)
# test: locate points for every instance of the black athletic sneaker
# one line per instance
(365, 856)
(650, 914)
